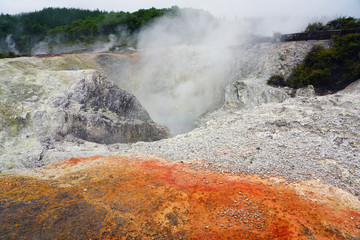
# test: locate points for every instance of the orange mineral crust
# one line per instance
(127, 197)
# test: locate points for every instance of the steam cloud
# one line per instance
(11, 44)
(184, 62)
(55, 46)
(183, 65)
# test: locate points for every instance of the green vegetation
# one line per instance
(27, 29)
(277, 81)
(20, 33)
(328, 69)
(341, 23)
(91, 27)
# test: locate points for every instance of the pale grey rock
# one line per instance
(72, 147)
(99, 111)
(243, 94)
(41, 104)
(352, 88)
(255, 64)
(298, 139)
(308, 91)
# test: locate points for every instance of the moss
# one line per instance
(15, 93)
(69, 62)
(75, 63)
(9, 110)
(9, 114)
(12, 108)
(23, 65)
(9, 165)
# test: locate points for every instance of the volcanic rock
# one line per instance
(255, 64)
(308, 91)
(353, 87)
(42, 103)
(97, 110)
(298, 139)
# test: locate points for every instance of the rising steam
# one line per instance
(11, 44)
(185, 62)
(183, 66)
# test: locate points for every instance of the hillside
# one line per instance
(62, 30)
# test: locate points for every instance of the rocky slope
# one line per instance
(301, 138)
(255, 64)
(46, 101)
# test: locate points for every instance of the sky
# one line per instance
(230, 9)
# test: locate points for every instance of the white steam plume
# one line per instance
(182, 68)
(55, 46)
(185, 62)
(11, 44)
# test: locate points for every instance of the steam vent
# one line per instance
(132, 146)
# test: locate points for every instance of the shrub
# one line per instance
(276, 81)
(316, 26)
(340, 23)
(329, 69)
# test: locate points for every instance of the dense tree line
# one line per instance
(27, 29)
(328, 69)
(109, 23)
(341, 23)
(21, 32)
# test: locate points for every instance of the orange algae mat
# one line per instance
(128, 197)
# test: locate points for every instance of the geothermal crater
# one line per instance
(175, 143)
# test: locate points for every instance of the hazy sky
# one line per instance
(231, 9)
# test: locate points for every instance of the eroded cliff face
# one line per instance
(254, 64)
(45, 101)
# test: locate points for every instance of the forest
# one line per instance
(20, 33)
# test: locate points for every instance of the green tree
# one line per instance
(341, 23)
(316, 26)
(329, 69)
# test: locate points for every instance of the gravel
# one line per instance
(299, 139)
